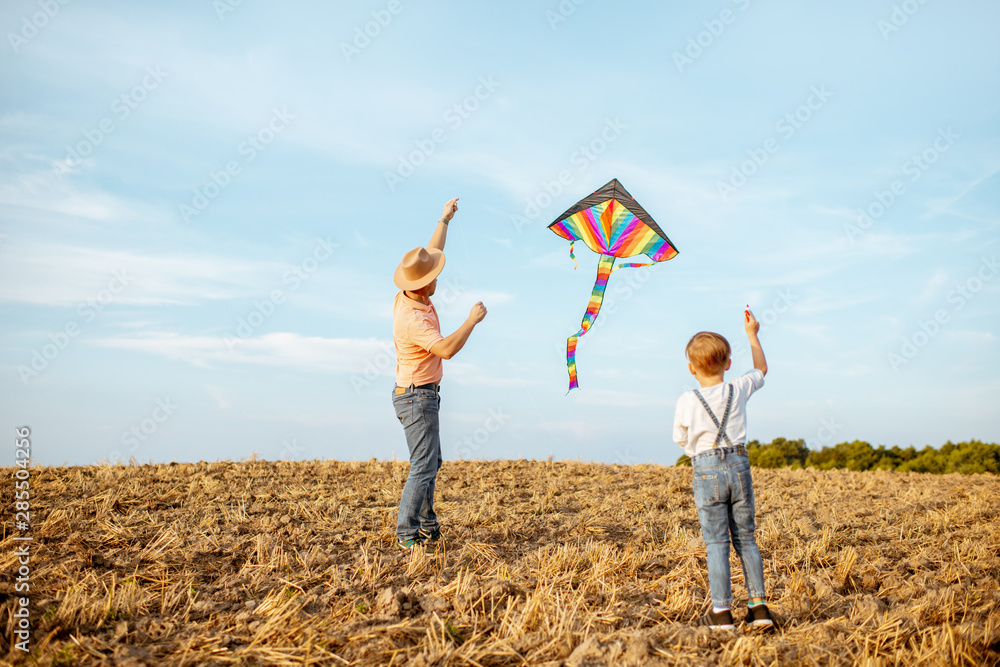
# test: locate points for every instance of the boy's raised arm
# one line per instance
(753, 326)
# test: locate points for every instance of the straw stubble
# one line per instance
(561, 563)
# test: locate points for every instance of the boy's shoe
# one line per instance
(408, 545)
(722, 620)
(759, 618)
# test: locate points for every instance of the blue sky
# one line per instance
(202, 204)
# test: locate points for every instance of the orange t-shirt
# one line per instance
(415, 330)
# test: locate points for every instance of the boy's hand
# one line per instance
(449, 209)
(752, 326)
(750, 323)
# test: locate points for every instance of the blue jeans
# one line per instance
(723, 493)
(417, 410)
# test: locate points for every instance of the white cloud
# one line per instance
(622, 399)
(948, 205)
(459, 303)
(66, 275)
(816, 305)
(282, 349)
(314, 420)
(932, 287)
(219, 396)
(468, 374)
(44, 191)
(967, 337)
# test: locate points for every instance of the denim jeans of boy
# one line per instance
(723, 493)
(417, 410)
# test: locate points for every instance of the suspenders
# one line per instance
(725, 416)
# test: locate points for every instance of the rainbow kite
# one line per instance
(613, 224)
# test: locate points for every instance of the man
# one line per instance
(420, 347)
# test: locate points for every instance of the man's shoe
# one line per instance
(430, 539)
(722, 620)
(409, 545)
(759, 618)
(429, 535)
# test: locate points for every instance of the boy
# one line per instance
(710, 424)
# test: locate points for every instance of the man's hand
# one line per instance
(449, 209)
(478, 313)
(750, 323)
(453, 344)
(441, 230)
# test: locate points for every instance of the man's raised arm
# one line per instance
(441, 232)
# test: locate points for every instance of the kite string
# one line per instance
(461, 232)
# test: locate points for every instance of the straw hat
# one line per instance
(418, 268)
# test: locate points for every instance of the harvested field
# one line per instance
(543, 563)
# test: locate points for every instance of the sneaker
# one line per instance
(409, 545)
(722, 620)
(429, 535)
(759, 618)
(430, 539)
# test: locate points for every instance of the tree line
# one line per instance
(967, 458)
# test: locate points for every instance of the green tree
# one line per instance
(857, 455)
(971, 457)
(770, 458)
(753, 451)
(928, 460)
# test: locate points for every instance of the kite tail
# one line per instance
(604, 269)
(631, 265)
(576, 264)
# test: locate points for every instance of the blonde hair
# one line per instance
(708, 352)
